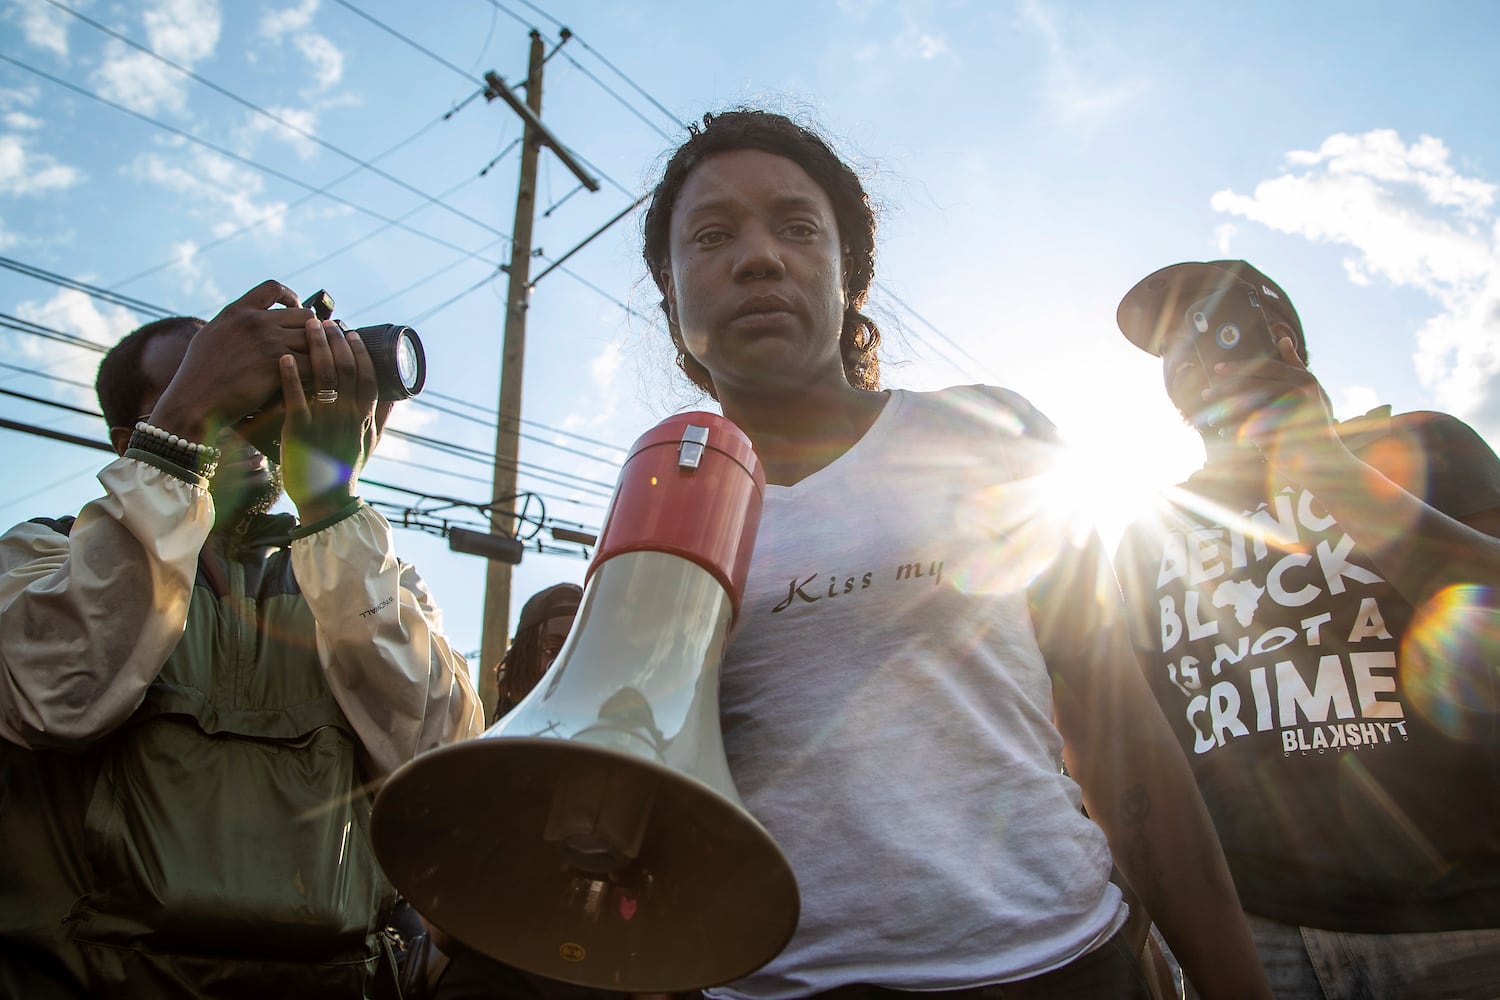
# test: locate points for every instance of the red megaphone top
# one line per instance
(692, 487)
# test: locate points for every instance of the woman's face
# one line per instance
(756, 281)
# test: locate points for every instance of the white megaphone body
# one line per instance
(594, 835)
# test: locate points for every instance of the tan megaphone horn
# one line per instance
(594, 835)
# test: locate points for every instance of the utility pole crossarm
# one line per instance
(499, 88)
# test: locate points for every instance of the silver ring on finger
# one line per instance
(326, 396)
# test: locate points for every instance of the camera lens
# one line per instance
(400, 363)
(1200, 322)
(1228, 336)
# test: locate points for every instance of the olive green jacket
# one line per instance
(193, 724)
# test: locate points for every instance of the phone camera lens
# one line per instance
(1200, 322)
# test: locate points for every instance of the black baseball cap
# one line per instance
(553, 602)
(1160, 299)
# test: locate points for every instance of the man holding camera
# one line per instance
(197, 697)
(1316, 610)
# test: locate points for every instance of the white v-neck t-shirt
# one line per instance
(888, 716)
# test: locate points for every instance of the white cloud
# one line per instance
(1224, 237)
(1075, 94)
(140, 82)
(217, 186)
(24, 172)
(277, 24)
(324, 58)
(8, 239)
(22, 122)
(930, 46)
(12, 97)
(1409, 219)
(42, 26)
(913, 42)
(78, 313)
(300, 123)
(183, 31)
(604, 370)
(196, 286)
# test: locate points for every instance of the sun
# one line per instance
(1116, 473)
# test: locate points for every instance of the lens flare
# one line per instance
(1449, 657)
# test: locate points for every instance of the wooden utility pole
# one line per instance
(513, 355)
(496, 630)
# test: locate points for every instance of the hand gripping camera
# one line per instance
(395, 350)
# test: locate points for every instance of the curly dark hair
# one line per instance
(750, 128)
(121, 384)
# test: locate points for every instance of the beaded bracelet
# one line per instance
(200, 458)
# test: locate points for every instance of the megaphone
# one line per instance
(594, 835)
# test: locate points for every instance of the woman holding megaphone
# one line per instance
(922, 642)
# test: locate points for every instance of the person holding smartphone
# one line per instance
(1315, 611)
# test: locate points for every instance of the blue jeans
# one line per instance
(1305, 963)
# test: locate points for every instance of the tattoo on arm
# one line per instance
(1138, 856)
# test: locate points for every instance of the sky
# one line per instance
(1030, 162)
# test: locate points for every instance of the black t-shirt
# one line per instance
(1346, 747)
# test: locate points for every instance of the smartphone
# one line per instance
(1229, 325)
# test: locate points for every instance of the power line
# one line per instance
(408, 41)
(382, 228)
(429, 313)
(371, 306)
(886, 291)
(458, 450)
(47, 432)
(24, 326)
(278, 119)
(96, 445)
(50, 402)
(287, 209)
(114, 298)
(623, 103)
(474, 455)
(51, 333)
(229, 154)
(47, 375)
(613, 68)
(512, 14)
(529, 423)
(579, 483)
(529, 437)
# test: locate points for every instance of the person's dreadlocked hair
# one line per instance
(120, 384)
(521, 667)
(748, 128)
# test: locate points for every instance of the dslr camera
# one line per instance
(400, 372)
(395, 350)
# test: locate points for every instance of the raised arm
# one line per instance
(1419, 549)
(88, 615)
(394, 674)
(1135, 782)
